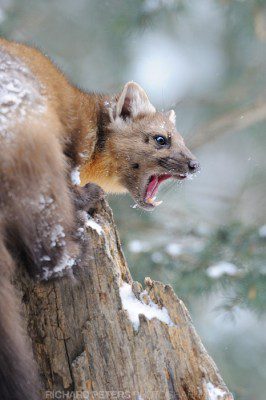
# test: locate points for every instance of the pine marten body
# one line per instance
(51, 131)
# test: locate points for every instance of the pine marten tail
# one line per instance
(18, 373)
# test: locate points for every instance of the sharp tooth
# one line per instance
(152, 201)
(149, 200)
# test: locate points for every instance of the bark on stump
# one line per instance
(84, 341)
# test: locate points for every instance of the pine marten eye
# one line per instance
(161, 140)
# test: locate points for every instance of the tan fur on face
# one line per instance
(130, 155)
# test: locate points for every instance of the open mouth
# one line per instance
(153, 187)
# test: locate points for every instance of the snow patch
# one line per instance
(262, 231)
(45, 258)
(75, 176)
(21, 94)
(137, 246)
(91, 223)
(174, 249)
(135, 307)
(84, 154)
(222, 268)
(66, 262)
(57, 234)
(214, 393)
(44, 201)
(157, 257)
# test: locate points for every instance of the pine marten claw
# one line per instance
(88, 197)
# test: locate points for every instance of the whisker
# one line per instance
(170, 163)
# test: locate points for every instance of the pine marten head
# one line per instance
(142, 148)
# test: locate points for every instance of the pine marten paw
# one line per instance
(88, 197)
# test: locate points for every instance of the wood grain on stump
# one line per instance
(86, 346)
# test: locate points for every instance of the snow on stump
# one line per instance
(100, 335)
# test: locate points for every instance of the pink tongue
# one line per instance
(152, 187)
(164, 177)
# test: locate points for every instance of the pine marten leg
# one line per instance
(88, 197)
(38, 200)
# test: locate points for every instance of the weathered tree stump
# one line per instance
(87, 346)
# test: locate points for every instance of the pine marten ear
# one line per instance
(132, 102)
(171, 116)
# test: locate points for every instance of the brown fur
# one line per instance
(47, 128)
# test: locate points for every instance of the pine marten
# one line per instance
(56, 143)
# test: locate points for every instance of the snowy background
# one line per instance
(206, 59)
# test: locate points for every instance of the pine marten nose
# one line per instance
(193, 166)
